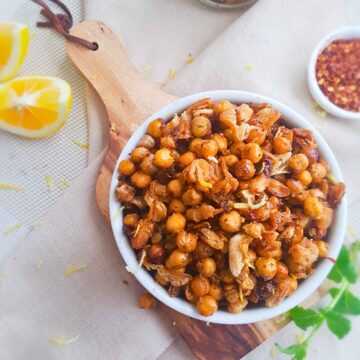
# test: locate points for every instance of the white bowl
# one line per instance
(306, 288)
(350, 32)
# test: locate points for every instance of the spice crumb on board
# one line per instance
(61, 340)
(81, 144)
(11, 229)
(113, 126)
(49, 181)
(75, 268)
(125, 282)
(190, 59)
(147, 301)
(319, 110)
(38, 264)
(248, 67)
(10, 187)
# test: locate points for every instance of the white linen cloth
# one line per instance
(275, 37)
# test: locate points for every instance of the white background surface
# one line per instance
(325, 346)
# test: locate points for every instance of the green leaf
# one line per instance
(304, 318)
(343, 268)
(348, 302)
(338, 324)
(297, 350)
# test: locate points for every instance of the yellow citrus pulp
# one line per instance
(34, 106)
(14, 42)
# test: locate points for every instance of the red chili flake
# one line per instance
(338, 73)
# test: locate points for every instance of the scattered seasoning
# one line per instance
(319, 110)
(75, 268)
(125, 282)
(62, 341)
(338, 73)
(4, 186)
(145, 69)
(190, 59)
(38, 264)
(172, 74)
(113, 126)
(65, 181)
(49, 182)
(147, 301)
(12, 229)
(248, 68)
(81, 144)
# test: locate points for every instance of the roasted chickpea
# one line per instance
(227, 277)
(244, 169)
(141, 180)
(131, 220)
(195, 146)
(163, 158)
(148, 166)
(293, 284)
(139, 153)
(258, 184)
(206, 266)
(187, 158)
(216, 292)
(147, 301)
(281, 145)
(156, 254)
(203, 250)
(236, 149)
(221, 141)
(177, 206)
(175, 188)
(207, 305)
(252, 152)
(155, 128)
(313, 207)
(323, 248)
(231, 221)
(222, 105)
(257, 135)
(200, 285)
(175, 223)
(186, 242)
(282, 271)
(167, 142)
(160, 280)
(231, 159)
(209, 148)
(254, 229)
(266, 267)
(127, 167)
(318, 172)
(236, 307)
(177, 260)
(191, 197)
(305, 177)
(295, 186)
(298, 162)
(324, 222)
(158, 211)
(228, 133)
(190, 296)
(200, 126)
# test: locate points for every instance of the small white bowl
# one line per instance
(255, 314)
(350, 32)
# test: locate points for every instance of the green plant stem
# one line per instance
(342, 289)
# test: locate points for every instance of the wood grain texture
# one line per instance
(129, 100)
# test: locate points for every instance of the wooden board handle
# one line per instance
(128, 98)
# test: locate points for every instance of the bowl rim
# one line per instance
(347, 32)
(251, 315)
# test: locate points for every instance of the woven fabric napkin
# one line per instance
(274, 39)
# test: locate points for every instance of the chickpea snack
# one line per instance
(227, 206)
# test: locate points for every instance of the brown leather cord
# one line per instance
(62, 23)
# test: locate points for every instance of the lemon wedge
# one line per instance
(34, 106)
(14, 43)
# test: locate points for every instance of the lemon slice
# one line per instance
(14, 43)
(34, 106)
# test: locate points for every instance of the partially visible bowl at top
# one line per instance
(345, 33)
(249, 315)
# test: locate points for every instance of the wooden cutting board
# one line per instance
(129, 100)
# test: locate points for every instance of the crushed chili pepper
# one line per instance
(338, 73)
